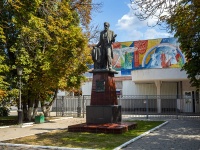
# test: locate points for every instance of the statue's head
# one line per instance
(106, 25)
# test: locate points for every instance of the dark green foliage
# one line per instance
(4, 111)
(185, 22)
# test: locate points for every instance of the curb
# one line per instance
(2, 127)
(140, 136)
(40, 147)
(18, 126)
(61, 118)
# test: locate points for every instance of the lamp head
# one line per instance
(19, 71)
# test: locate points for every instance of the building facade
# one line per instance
(150, 67)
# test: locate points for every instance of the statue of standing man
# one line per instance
(107, 37)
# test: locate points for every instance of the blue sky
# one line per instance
(124, 23)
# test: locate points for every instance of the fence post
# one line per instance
(57, 106)
(177, 108)
(79, 107)
(62, 106)
(83, 106)
(147, 107)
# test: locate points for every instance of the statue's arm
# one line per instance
(113, 37)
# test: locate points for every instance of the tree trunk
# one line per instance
(25, 112)
(29, 115)
(46, 108)
(30, 108)
(35, 109)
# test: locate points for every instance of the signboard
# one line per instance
(100, 86)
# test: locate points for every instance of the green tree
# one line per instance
(50, 46)
(182, 18)
(7, 38)
(185, 22)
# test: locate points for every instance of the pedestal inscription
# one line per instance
(100, 86)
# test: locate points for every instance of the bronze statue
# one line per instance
(107, 37)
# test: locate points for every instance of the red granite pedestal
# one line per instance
(104, 107)
(103, 88)
(104, 114)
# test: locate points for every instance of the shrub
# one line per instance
(4, 111)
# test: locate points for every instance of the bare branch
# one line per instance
(160, 10)
(93, 34)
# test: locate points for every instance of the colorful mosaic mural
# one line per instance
(144, 54)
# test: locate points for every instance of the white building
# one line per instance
(150, 67)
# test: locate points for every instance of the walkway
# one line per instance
(176, 135)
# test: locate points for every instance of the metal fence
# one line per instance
(142, 106)
(69, 106)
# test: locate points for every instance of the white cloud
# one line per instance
(134, 35)
(134, 29)
(153, 34)
(129, 21)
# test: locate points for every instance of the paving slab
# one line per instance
(175, 135)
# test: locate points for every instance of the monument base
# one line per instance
(103, 114)
(114, 128)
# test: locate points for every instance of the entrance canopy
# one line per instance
(152, 75)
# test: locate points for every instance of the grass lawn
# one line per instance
(63, 138)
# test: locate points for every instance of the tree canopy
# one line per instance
(45, 38)
(183, 18)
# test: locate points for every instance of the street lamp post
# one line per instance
(19, 73)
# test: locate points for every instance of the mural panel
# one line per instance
(144, 54)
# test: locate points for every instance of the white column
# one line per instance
(158, 87)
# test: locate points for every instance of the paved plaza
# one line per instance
(175, 135)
